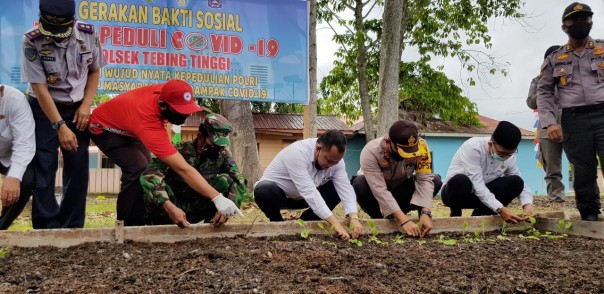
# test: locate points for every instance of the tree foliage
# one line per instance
(449, 28)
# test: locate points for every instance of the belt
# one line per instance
(584, 108)
(68, 104)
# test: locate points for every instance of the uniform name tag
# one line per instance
(48, 58)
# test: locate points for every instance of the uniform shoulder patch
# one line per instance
(32, 34)
(84, 27)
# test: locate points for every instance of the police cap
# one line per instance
(576, 8)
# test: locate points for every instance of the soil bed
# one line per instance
(320, 264)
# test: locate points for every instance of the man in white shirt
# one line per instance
(310, 173)
(483, 175)
(17, 148)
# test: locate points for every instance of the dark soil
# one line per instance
(317, 265)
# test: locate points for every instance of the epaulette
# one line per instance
(84, 27)
(32, 34)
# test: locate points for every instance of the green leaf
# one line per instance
(304, 234)
(300, 222)
(321, 225)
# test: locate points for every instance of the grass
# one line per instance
(100, 212)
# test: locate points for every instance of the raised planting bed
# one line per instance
(464, 255)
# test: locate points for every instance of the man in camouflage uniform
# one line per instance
(166, 194)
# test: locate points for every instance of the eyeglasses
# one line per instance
(504, 154)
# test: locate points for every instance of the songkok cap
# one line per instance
(507, 135)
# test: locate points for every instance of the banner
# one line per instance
(226, 49)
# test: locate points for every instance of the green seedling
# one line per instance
(3, 253)
(447, 242)
(329, 243)
(421, 242)
(531, 234)
(465, 227)
(376, 240)
(532, 220)
(399, 239)
(321, 226)
(372, 228)
(483, 225)
(356, 242)
(504, 232)
(564, 225)
(305, 231)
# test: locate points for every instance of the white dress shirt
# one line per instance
(17, 139)
(293, 171)
(473, 159)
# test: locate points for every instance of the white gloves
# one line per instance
(225, 206)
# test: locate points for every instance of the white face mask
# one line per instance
(497, 157)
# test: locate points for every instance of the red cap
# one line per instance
(179, 95)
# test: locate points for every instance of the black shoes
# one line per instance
(590, 217)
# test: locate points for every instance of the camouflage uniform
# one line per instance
(160, 182)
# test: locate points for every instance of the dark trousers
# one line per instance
(402, 194)
(271, 199)
(132, 157)
(458, 193)
(46, 211)
(583, 130)
(10, 213)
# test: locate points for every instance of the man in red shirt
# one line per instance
(125, 126)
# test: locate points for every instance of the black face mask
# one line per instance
(579, 31)
(174, 117)
(212, 152)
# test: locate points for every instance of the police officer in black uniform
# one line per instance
(61, 61)
(576, 71)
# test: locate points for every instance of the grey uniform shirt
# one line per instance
(531, 101)
(17, 139)
(62, 66)
(578, 77)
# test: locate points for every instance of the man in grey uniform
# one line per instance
(576, 71)
(550, 152)
(61, 60)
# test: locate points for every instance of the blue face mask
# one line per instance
(496, 156)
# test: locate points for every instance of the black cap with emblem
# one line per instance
(57, 18)
(576, 8)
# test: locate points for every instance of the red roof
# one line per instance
(280, 122)
(439, 126)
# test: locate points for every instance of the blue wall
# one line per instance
(443, 149)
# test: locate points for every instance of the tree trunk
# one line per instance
(310, 111)
(243, 138)
(390, 59)
(362, 72)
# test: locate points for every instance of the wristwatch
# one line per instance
(57, 124)
(426, 212)
(498, 210)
